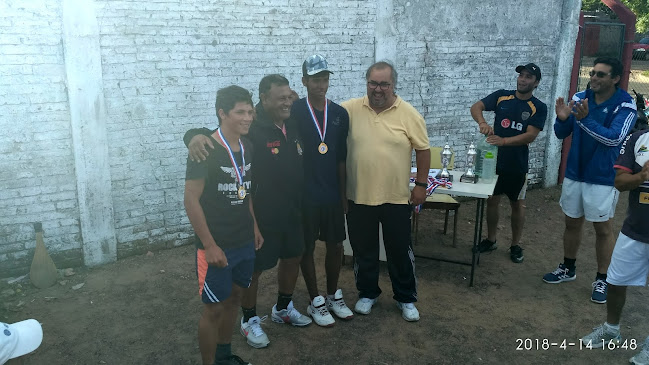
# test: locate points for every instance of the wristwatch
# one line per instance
(423, 185)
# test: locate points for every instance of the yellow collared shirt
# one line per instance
(379, 151)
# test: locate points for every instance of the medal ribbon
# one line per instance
(432, 183)
(240, 173)
(321, 131)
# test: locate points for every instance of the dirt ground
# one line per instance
(145, 309)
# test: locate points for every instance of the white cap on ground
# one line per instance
(19, 339)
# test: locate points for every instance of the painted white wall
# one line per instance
(455, 53)
(37, 172)
(564, 57)
(88, 124)
(386, 35)
(161, 64)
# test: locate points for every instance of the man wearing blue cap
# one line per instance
(323, 126)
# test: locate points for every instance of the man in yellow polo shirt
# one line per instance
(383, 130)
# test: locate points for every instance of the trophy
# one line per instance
(469, 176)
(446, 155)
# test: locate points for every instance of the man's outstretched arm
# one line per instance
(197, 140)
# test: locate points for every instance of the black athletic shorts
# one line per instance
(279, 244)
(512, 185)
(323, 222)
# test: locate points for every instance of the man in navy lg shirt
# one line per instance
(323, 126)
(519, 119)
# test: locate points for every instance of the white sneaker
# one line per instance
(642, 357)
(251, 330)
(601, 336)
(318, 311)
(338, 306)
(364, 305)
(290, 315)
(408, 311)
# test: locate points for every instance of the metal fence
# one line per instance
(637, 80)
(606, 39)
(598, 39)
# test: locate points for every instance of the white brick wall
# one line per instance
(37, 181)
(448, 65)
(163, 60)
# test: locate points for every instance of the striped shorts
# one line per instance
(215, 283)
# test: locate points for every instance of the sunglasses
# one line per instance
(599, 74)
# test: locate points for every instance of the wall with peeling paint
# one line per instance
(161, 62)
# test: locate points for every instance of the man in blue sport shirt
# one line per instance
(598, 119)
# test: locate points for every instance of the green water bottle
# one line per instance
(486, 161)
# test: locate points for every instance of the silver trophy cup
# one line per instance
(446, 156)
(469, 176)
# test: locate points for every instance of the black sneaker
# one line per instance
(232, 360)
(486, 246)
(516, 254)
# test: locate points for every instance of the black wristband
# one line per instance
(423, 185)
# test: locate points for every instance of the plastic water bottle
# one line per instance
(486, 165)
(488, 168)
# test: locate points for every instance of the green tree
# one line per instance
(594, 5)
(639, 7)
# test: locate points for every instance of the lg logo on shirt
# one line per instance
(506, 123)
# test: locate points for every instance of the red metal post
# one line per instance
(628, 18)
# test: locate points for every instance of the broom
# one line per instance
(43, 272)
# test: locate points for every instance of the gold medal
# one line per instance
(240, 172)
(241, 193)
(322, 148)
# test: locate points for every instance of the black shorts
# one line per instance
(323, 222)
(279, 244)
(512, 185)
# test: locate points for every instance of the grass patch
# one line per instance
(645, 73)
